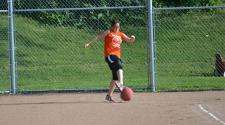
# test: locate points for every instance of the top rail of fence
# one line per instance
(111, 8)
(87, 8)
(189, 8)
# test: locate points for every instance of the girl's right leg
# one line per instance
(120, 79)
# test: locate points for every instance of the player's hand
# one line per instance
(87, 45)
(132, 38)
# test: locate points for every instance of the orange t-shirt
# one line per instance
(112, 43)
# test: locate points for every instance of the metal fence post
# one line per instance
(11, 36)
(151, 47)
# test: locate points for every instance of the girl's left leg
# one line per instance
(112, 87)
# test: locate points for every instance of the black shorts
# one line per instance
(115, 64)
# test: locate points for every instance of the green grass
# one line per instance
(4, 60)
(186, 48)
(52, 57)
(190, 83)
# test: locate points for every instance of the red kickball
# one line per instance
(126, 94)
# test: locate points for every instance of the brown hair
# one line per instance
(114, 22)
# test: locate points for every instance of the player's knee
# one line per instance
(115, 70)
(118, 66)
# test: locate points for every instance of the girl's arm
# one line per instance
(97, 38)
(130, 39)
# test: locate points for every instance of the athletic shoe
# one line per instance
(109, 98)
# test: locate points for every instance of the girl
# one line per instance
(112, 41)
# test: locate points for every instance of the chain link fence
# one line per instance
(187, 41)
(50, 45)
(50, 38)
(4, 57)
(3, 5)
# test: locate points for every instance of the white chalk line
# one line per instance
(211, 114)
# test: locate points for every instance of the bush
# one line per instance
(86, 18)
(98, 19)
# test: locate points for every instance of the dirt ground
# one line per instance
(178, 108)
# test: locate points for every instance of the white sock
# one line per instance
(120, 79)
(119, 85)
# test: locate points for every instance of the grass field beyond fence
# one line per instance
(52, 57)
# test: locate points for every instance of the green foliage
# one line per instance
(99, 3)
(3, 5)
(178, 3)
(99, 19)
